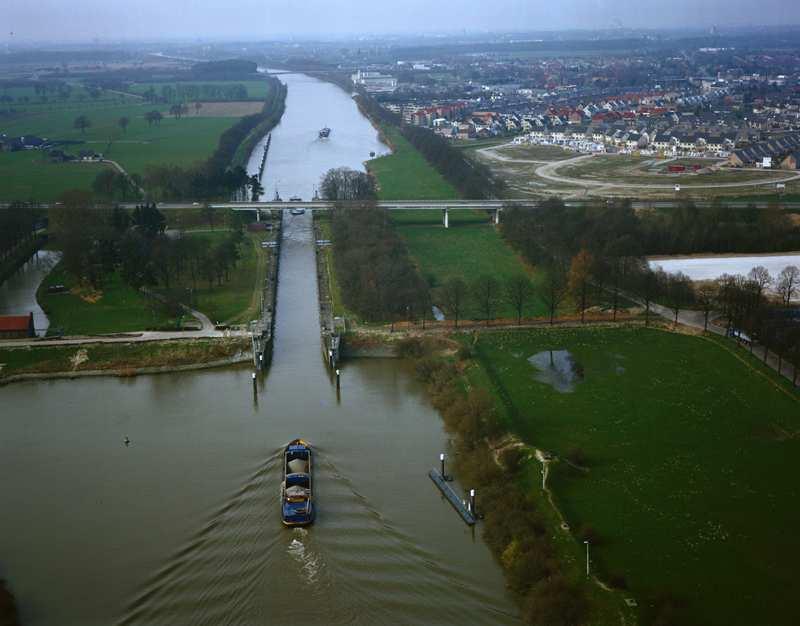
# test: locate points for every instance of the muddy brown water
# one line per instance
(183, 527)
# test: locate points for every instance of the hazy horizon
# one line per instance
(90, 20)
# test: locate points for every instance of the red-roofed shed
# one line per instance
(16, 326)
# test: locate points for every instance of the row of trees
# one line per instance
(471, 178)
(484, 294)
(191, 92)
(376, 275)
(551, 229)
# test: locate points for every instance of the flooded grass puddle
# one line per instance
(557, 368)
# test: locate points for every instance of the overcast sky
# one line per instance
(247, 19)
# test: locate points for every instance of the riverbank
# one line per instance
(119, 359)
(542, 563)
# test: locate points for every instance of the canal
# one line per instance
(183, 527)
(18, 293)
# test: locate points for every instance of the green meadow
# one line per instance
(678, 456)
(406, 175)
(466, 250)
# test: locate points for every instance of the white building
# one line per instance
(375, 82)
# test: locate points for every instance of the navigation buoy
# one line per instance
(127, 441)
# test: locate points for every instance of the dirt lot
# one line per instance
(225, 109)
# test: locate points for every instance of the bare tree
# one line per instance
(761, 279)
(454, 292)
(678, 292)
(518, 291)
(486, 291)
(788, 284)
(554, 289)
(580, 273)
(706, 295)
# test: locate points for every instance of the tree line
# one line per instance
(188, 92)
(552, 228)
(377, 278)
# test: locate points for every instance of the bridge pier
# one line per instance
(258, 215)
(496, 217)
(446, 218)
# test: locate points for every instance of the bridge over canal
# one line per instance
(492, 207)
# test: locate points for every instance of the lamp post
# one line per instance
(587, 558)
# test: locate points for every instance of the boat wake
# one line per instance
(351, 567)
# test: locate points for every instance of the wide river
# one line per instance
(182, 527)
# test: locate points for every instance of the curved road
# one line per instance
(548, 171)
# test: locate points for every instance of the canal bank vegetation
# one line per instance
(119, 359)
(120, 271)
(665, 450)
(543, 571)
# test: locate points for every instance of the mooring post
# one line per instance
(330, 358)
(441, 460)
(338, 380)
(472, 502)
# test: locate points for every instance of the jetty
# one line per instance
(459, 505)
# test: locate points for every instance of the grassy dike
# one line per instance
(118, 359)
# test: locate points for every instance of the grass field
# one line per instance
(28, 175)
(405, 174)
(120, 308)
(466, 251)
(536, 152)
(690, 451)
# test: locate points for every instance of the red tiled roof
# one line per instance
(14, 322)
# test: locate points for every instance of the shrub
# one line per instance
(555, 602)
